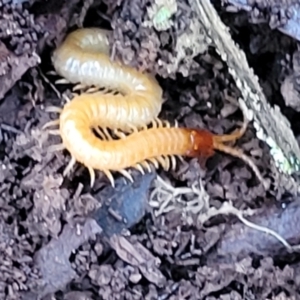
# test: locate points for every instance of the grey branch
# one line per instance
(271, 126)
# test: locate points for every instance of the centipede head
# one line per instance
(201, 143)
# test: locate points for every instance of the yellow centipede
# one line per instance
(83, 58)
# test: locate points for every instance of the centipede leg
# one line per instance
(173, 162)
(156, 123)
(179, 157)
(74, 95)
(100, 133)
(144, 127)
(163, 162)
(153, 123)
(53, 109)
(50, 124)
(119, 134)
(108, 136)
(78, 87)
(69, 166)
(52, 73)
(167, 163)
(139, 168)
(159, 123)
(146, 165)
(154, 161)
(62, 81)
(109, 176)
(67, 99)
(56, 148)
(126, 174)
(132, 128)
(94, 89)
(92, 176)
(54, 132)
(167, 124)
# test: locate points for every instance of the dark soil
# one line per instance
(147, 240)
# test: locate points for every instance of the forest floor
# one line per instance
(184, 236)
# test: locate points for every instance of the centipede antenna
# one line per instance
(235, 135)
(70, 166)
(154, 161)
(50, 124)
(53, 109)
(240, 154)
(92, 176)
(109, 176)
(56, 148)
(126, 174)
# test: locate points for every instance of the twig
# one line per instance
(271, 126)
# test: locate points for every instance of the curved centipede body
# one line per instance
(84, 58)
